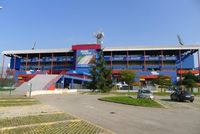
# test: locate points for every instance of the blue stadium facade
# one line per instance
(147, 62)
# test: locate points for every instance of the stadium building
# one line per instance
(70, 67)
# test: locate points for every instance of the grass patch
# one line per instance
(5, 102)
(131, 93)
(132, 101)
(124, 93)
(55, 124)
(18, 121)
(162, 94)
(80, 127)
(196, 94)
(115, 93)
(95, 93)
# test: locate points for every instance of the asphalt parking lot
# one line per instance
(177, 118)
(179, 105)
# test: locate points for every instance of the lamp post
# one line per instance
(30, 88)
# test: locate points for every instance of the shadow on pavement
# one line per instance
(167, 100)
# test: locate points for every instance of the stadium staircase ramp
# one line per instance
(39, 82)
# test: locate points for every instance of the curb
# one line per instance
(164, 106)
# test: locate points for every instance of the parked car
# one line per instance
(145, 93)
(181, 95)
(122, 86)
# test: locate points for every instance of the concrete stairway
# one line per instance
(38, 82)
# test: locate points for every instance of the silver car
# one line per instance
(145, 93)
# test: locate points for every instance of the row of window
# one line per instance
(117, 57)
(124, 57)
(47, 59)
(45, 67)
(140, 67)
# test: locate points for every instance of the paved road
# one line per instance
(184, 105)
(125, 119)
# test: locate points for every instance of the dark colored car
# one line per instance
(180, 95)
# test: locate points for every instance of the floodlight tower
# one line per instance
(3, 58)
(180, 40)
(99, 36)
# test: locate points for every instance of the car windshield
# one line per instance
(186, 93)
(183, 92)
(146, 91)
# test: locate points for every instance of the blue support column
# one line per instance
(63, 83)
(82, 83)
(72, 84)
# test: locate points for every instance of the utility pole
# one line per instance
(30, 89)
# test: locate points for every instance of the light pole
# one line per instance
(30, 88)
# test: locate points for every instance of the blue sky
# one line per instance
(61, 23)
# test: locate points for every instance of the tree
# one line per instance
(100, 75)
(163, 81)
(127, 76)
(189, 83)
(93, 84)
(190, 76)
(190, 80)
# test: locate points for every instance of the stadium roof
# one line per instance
(140, 48)
(11, 52)
(124, 48)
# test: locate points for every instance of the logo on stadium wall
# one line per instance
(154, 73)
(85, 58)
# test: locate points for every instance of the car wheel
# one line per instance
(178, 99)
(191, 100)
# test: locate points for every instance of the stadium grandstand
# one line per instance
(70, 66)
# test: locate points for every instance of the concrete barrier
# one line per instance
(83, 90)
(125, 91)
(56, 91)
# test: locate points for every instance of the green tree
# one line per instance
(190, 76)
(189, 80)
(163, 82)
(93, 84)
(7, 82)
(100, 75)
(127, 76)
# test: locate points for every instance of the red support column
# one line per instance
(14, 70)
(180, 66)
(51, 63)
(66, 63)
(39, 61)
(14, 62)
(2, 70)
(162, 59)
(127, 61)
(26, 61)
(198, 62)
(144, 60)
(111, 60)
